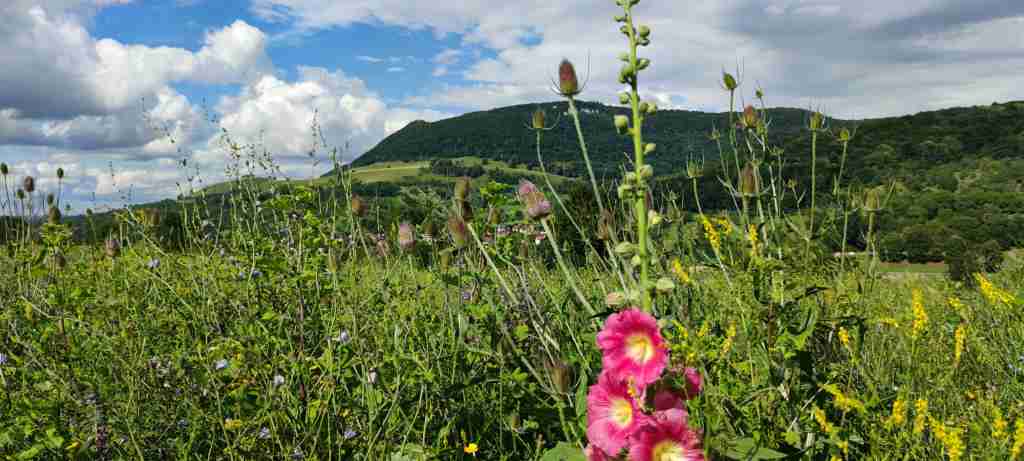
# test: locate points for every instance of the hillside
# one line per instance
(501, 134)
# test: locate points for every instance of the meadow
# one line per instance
(505, 321)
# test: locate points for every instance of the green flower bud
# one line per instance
(647, 171)
(643, 107)
(654, 218)
(845, 135)
(652, 108)
(649, 148)
(624, 98)
(624, 191)
(621, 124)
(643, 63)
(645, 31)
(817, 121)
(625, 249)
(759, 93)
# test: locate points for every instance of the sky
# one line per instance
(141, 100)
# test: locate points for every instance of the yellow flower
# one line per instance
(889, 321)
(992, 293)
(899, 413)
(1018, 440)
(999, 425)
(729, 335)
(956, 304)
(950, 438)
(724, 224)
(844, 337)
(920, 416)
(835, 458)
(958, 344)
(680, 272)
(232, 424)
(920, 315)
(711, 234)
(471, 449)
(819, 416)
(752, 236)
(842, 401)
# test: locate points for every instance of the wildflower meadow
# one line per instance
(506, 320)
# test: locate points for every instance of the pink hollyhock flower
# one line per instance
(694, 382)
(633, 347)
(595, 454)
(666, 437)
(668, 400)
(613, 414)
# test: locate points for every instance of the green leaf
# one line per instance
(747, 449)
(564, 451)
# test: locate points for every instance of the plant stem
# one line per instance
(569, 276)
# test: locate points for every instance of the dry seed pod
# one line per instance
(358, 206)
(29, 184)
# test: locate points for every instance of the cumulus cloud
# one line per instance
(877, 58)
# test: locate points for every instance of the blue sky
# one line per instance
(101, 88)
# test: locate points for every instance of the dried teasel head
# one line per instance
(406, 236)
(60, 173)
(29, 184)
(112, 247)
(749, 181)
(538, 119)
(458, 231)
(462, 187)
(358, 206)
(3, 169)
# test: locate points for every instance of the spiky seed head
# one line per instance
(538, 119)
(729, 82)
(694, 169)
(54, 215)
(358, 206)
(537, 205)
(3, 169)
(605, 225)
(568, 83)
(462, 188)
(20, 194)
(759, 93)
(406, 236)
(845, 135)
(715, 135)
(60, 173)
(817, 121)
(29, 184)
(88, 211)
(749, 118)
(50, 199)
(621, 124)
(872, 201)
(458, 231)
(750, 183)
(112, 247)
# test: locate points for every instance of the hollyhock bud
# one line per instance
(568, 84)
(406, 236)
(621, 124)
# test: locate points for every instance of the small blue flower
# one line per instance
(342, 337)
(221, 364)
(264, 433)
(153, 264)
(278, 380)
(3, 359)
(350, 434)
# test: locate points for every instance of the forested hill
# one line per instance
(501, 134)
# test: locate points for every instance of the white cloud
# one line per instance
(394, 69)
(369, 59)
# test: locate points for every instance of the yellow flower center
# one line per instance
(639, 347)
(622, 412)
(668, 451)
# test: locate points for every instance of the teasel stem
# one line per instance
(640, 202)
(583, 148)
(565, 269)
(814, 184)
(696, 197)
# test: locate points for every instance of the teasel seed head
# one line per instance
(406, 236)
(29, 184)
(538, 119)
(3, 169)
(845, 135)
(60, 173)
(358, 206)
(749, 181)
(112, 247)
(53, 216)
(20, 194)
(458, 231)
(749, 119)
(537, 205)
(817, 121)
(729, 82)
(559, 373)
(462, 185)
(50, 199)
(568, 83)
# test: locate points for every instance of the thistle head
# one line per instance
(568, 83)
(538, 119)
(817, 121)
(29, 184)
